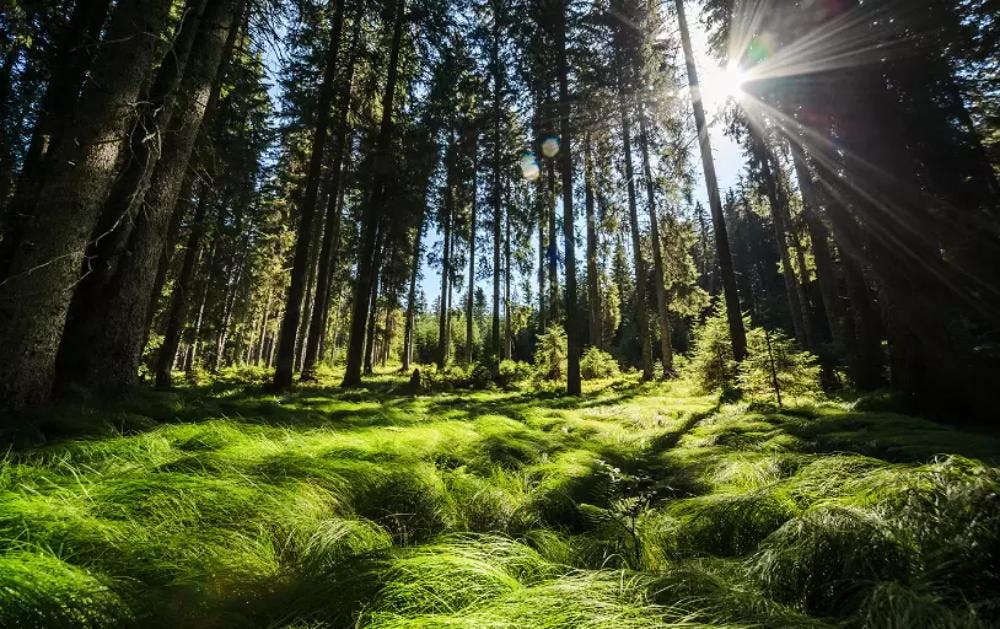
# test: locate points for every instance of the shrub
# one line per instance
(711, 365)
(771, 356)
(512, 371)
(550, 357)
(774, 367)
(596, 363)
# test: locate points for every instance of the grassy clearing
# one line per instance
(637, 506)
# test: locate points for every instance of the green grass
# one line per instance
(638, 505)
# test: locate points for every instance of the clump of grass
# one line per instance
(39, 590)
(582, 600)
(335, 541)
(826, 560)
(728, 525)
(890, 604)
(951, 508)
(716, 592)
(412, 503)
(495, 503)
(455, 574)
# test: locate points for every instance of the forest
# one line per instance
(499, 313)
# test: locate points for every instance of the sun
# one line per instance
(723, 84)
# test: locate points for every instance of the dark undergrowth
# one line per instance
(223, 505)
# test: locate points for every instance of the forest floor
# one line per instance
(224, 505)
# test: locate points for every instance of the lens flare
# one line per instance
(550, 146)
(529, 166)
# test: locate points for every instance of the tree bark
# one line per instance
(331, 234)
(662, 312)
(573, 330)
(35, 295)
(641, 316)
(734, 314)
(372, 214)
(411, 299)
(55, 115)
(443, 314)
(471, 293)
(300, 267)
(593, 281)
(120, 330)
(177, 313)
(780, 222)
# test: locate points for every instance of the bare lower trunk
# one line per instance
(662, 312)
(45, 264)
(118, 343)
(593, 281)
(641, 317)
(300, 266)
(177, 314)
(374, 210)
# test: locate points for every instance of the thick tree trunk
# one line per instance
(733, 313)
(593, 281)
(662, 312)
(300, 267)
(110, 239)
(119, 331)
(552, 245)
(177, 313)
(45, 265)
(56, 111)
(641, 316)
(372, 214)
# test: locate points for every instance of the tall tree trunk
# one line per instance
(55, 114)
(593, 281)
(662, 312)
(331, 234)
(120, 331)
(411, 298)
(443, 313)
(110, 239)
(819, 238)
(573, 329)
(300, 267)
(45, 265)
(540, 207)
(495, 349)
(733, 313)
(552, 246)
(177, 313)
(508, 334)
(372, 214)
(129, 190)
(470, 302)
(641, 316)
(779, 220)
